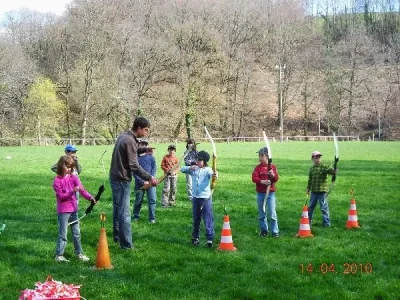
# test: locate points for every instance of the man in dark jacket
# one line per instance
(124, 163)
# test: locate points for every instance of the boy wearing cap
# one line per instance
(264, 176)
(202, 200)
(169, 191)
(147, 162)
(70, 150)
(318, 186)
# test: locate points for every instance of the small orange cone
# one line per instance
(304, 230)
(352, 221)
(226, 237)
(103, 260)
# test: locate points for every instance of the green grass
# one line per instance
(164, 265)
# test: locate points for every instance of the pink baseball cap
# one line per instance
(316, 153)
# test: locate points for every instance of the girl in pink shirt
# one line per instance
(66, 185)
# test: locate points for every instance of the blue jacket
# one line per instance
(200, 181)
(148, 163)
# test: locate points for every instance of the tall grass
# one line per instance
(165, 265)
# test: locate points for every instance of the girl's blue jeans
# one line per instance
(63, 220)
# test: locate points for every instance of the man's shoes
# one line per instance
(209, 244)
(275, 235)
(152, 221)
(326, 225)
(263, 233)
(195, 242)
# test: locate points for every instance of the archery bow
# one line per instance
(269, 167)
(335, 163)
(90, 207)
(214, 161)
(104, 169)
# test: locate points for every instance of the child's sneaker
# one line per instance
(275, 235)
(61, 258)
(83, 257)
(209, 244)
(195, 242)
(263, 233)
(152, 221)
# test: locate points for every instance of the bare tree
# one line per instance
(193, 41)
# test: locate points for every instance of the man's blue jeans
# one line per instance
(271, 212)
(323, 205)
(122, 231)
(63, 220)
(151, 201)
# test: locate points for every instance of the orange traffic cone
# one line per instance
(304, 230)
(352, 221)
(226, 237)
(103, 260)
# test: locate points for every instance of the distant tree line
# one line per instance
(233, 65)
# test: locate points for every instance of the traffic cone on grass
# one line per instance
(103, 260)
(304, 230)
(352, 221)
(226, 237)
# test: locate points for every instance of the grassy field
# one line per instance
(346, 264)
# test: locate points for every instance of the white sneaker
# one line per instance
(61, 258)
(83, 257)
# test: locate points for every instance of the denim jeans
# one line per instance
(323, 205)
(122, 231)
(189, 186)
(202, 207)
(63, 220)
(169, 191)
(270, 212)
(151, 201)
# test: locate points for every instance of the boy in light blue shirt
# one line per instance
(202, 200)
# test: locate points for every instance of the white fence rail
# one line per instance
(104, 141)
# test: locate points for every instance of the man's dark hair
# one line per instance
(140, 122)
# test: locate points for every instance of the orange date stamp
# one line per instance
(331, 268)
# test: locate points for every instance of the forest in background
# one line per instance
(238, 66)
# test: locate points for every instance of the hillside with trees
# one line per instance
(238, 66)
